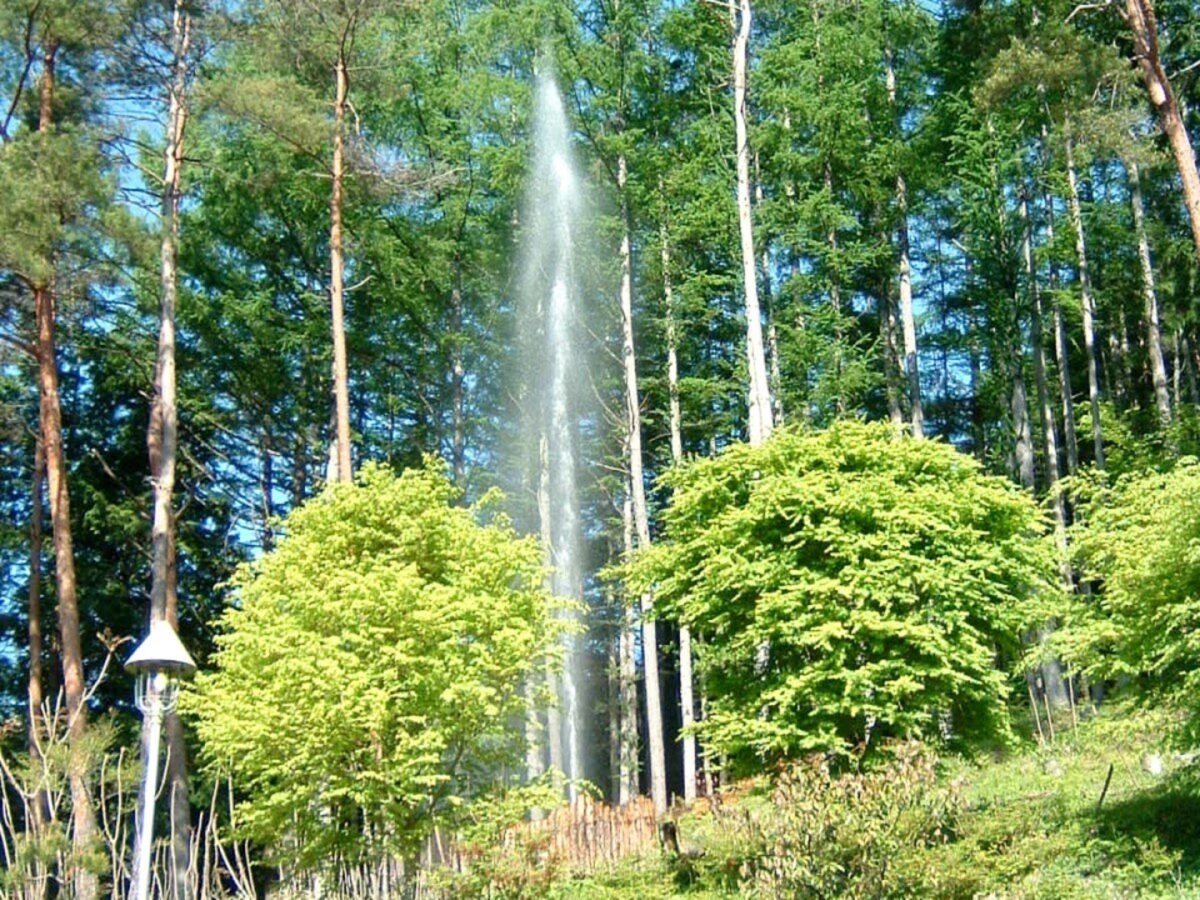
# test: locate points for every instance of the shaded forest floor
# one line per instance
(1029, 825)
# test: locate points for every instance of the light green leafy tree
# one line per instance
(1138, 539)
(884, 578)
(369, 674)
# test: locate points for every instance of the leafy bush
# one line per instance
(1139, 541)
(369, 673)
(827, 836)
(848, 586)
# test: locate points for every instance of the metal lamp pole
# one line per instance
(159, 662)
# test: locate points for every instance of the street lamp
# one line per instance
(159, 662)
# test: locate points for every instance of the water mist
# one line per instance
(554, 369)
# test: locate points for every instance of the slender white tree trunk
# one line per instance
(641, 516)
(341, 376)
(1088, 300)
(1154, 341)
(687, 700)
(1045, 407)
(774, 370)
(761, 420)
(908, 324)
(554, 728)
(1070, 441)
(162, 438)
(891, 357)
(628, 750)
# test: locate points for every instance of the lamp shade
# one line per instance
(162, 651)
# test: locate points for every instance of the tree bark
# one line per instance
(1088, 301)
(1051, 669)
(83, 817)
(1070, 439)
(641, 518)
(891, 357)
(1140, 16)
(687, 700)
(761, 420)
(774, 370)
(341, 376)
(554, 731)
(1019, 405)
(35, 694)
(908, 325)
(627, 788)
(162, 438)
(457, 379)
(1154, 341)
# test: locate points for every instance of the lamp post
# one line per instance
(159, 662)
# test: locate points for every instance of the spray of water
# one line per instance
(550, 237)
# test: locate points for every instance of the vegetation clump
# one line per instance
(847, 587)
(367, 677)
(1140, 539)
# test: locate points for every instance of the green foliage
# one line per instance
(1139, 538)
(827, 835)
(368, 676)
(500, 862)
(880, 576)
(1031, 828)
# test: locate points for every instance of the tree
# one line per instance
(1139, 15)
(885, 573)
(51, 185)
(408, 627)
(761, 418)
(1138, 537)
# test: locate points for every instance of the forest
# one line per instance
(599, 448)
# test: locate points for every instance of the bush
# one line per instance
(369, 673)
(1138, 540)
(846, 587)
(827, 836)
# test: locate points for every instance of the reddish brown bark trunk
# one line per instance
(1140, 15)
(50, 416)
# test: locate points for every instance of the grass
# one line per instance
(1031, 826)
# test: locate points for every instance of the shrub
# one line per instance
(848, 586)
(842, 836)
(369, 672)
(1138, 540)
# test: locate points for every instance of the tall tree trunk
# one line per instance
(1154, 341)
(1045, 407)
(835, 300)
(1140, 16)
(1188, 366)
(554, 730)
(1019, 404)
(641, 518)
(1088, 300)
(35, 695)
(908, 324)
(162, 440)
(627, 752)
(1061, 348)
(83, 816)
(774, 370)
(891, 357)
(761, 419)
(457, 378)
(341, 375)
(687, 699)
(1052, 680)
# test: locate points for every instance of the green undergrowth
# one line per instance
(1026, 823)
